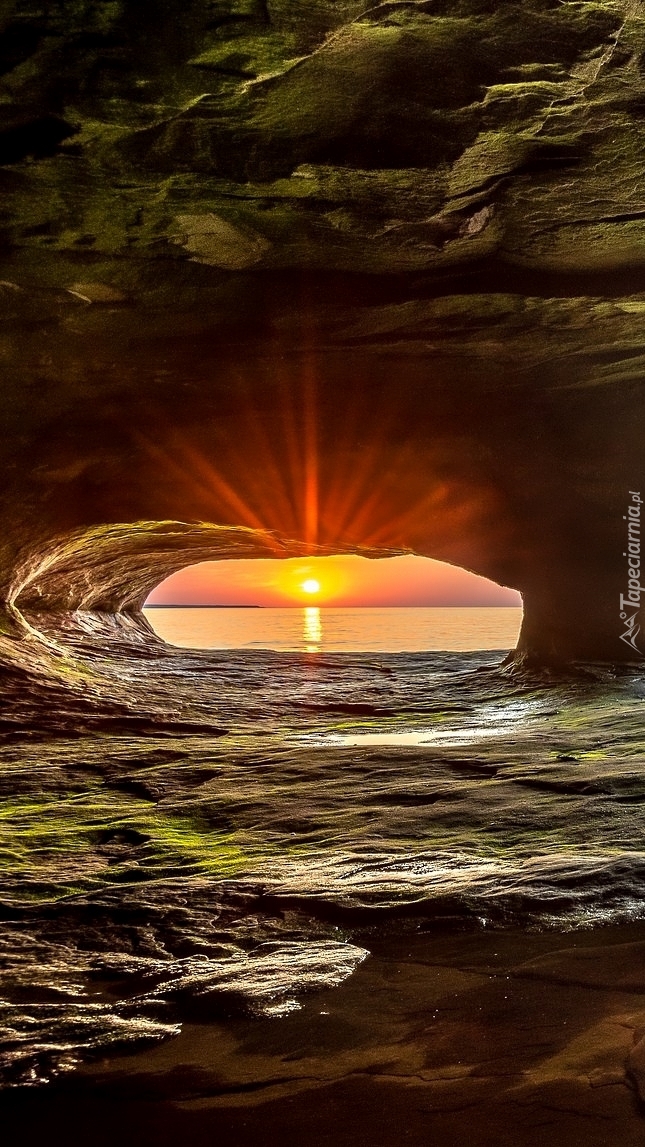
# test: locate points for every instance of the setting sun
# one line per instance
(340, 581)
(311, 585)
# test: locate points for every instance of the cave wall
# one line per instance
(392, 254)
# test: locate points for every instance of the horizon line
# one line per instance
(305, 605)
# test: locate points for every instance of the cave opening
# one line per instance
(336, 604)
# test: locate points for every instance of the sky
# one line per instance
(335, 581)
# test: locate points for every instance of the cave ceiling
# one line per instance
(438, 207)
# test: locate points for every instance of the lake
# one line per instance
(312, 629)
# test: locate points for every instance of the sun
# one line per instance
(311, 585)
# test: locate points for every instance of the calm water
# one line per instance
(313, 630)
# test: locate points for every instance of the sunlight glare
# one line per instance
(311, 585)
(312, 629)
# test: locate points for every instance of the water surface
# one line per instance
(313, 629)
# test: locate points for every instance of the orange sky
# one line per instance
(343, 581)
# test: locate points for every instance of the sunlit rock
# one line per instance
(267, 977)
(210, 239)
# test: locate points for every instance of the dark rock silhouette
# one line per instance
(405, 239)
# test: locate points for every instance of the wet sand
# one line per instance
(494, 1037)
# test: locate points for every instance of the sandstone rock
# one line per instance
(636, 1067)
(210, 239)
(438, 208)
(97, 293)
(618, 967)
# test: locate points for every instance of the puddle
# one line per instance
(489, 723)
(409, 737)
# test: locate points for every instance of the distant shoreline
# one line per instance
(303, 605)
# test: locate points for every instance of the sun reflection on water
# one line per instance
(312, 629)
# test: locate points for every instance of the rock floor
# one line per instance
(499, 1038)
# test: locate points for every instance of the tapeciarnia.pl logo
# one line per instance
(631, 601)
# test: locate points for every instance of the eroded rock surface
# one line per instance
(406, 236)
(433, 1036)
(283, 277)
(184, 835)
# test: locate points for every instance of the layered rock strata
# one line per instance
(360, 276)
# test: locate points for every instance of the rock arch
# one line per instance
(392, 255)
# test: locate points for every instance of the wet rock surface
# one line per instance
(434, 1035)
(184, 835)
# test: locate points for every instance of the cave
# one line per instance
(439, 429)
(206, 264)
(296, 280)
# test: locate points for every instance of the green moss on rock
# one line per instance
(250, 56)
(99, 837)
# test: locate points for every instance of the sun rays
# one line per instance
(282, 457)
